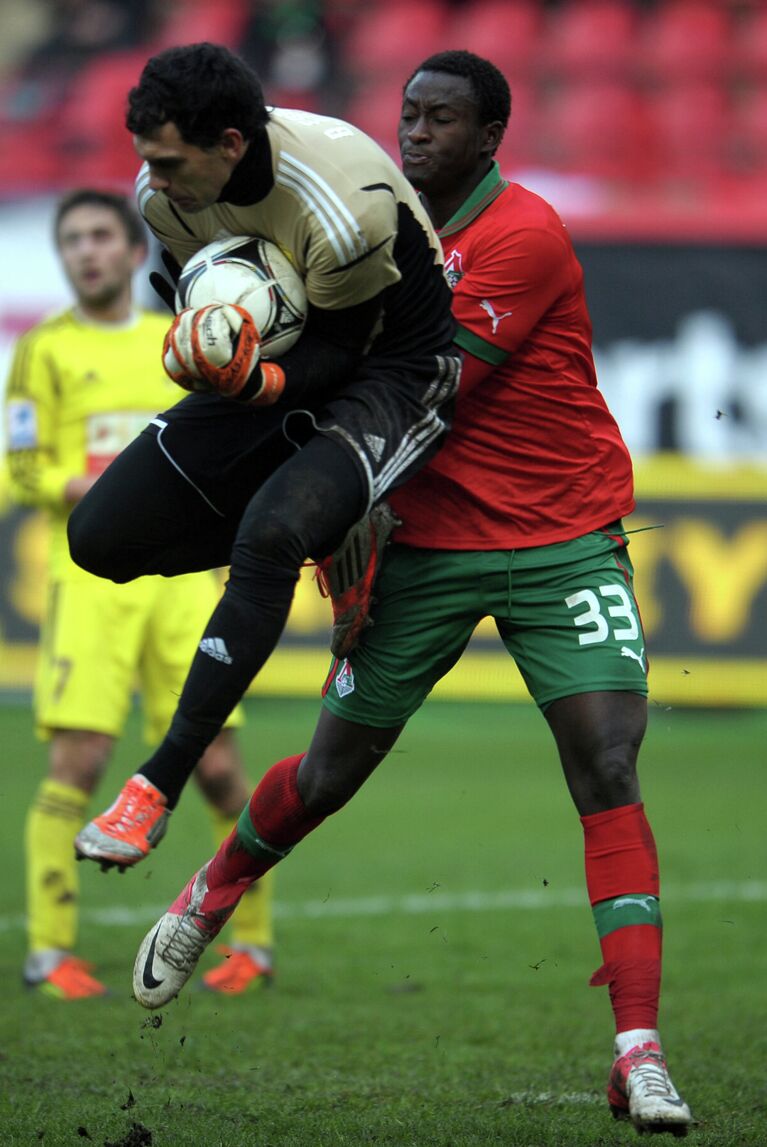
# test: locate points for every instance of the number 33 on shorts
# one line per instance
(610, 612)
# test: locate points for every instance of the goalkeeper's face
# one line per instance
(445, 149)
(192, 177)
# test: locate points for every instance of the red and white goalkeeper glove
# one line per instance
(217, 348)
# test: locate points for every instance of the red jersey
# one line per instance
(534, 456)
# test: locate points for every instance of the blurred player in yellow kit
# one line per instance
(82, 385)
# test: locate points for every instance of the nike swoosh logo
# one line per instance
(146, 975)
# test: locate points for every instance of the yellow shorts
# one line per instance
(101, 641)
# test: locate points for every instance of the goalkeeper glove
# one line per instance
(217, 348)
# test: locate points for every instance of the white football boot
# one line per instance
(170, 950)
(640, 1089)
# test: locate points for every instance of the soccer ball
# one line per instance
(254, 274)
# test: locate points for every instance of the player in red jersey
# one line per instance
(518, 517)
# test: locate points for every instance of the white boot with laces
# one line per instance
(640, 1089)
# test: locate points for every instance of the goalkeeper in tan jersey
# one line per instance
(82, 385)
(266, 462)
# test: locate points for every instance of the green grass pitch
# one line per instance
(434, 950)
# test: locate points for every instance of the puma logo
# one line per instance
(496, 320)
(626, 652)
(642, 901)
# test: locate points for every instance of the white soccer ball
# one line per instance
(254, 274)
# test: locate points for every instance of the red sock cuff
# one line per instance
(634, 992)
(632, 969)
(274, 820)
(277, 812)
(620, 853)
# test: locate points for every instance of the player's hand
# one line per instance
(213, 348)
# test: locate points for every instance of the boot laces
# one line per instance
(132, 810)
(194, 931)
(652, 1075)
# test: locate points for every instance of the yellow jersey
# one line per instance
(78, 392)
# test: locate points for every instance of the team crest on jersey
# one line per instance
(345, 679)
(454, 268)
(22, 424)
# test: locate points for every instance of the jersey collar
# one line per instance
(481, 197)
(252, 179)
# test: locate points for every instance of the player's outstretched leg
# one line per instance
(129, 829)
(170, 950)
(271, 824)
(248, 964)
(640, 1089)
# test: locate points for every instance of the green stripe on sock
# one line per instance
(253, 842)
(623, 911)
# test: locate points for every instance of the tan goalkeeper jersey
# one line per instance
(334, 209)
(78, 392)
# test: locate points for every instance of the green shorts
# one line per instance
(565, 612)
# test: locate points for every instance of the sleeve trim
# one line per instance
(481, 349)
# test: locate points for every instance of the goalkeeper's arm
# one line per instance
(216, 348)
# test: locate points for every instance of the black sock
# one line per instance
(239, 638)
(304, 508)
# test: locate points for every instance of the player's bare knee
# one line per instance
(323, 788)
(221, 781)
(613, 775)
(79, 757)
(322, 799)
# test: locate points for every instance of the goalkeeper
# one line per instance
(366, 392)
(82, 384)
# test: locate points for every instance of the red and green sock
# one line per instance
(271, 824)
(623, 885)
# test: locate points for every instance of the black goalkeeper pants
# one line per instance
(280, 506)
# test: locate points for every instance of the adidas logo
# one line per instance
(215, 647)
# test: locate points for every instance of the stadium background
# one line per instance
(645, 123)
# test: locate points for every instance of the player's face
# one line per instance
(445, 150)
(192, 177)
(96, 254)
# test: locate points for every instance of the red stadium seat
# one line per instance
(26, 170)
(93, 140)
(748, 134)
(750, 45)
(518, 148)
(591, 38)
(393, 37)
(508, 34)
(375, 108)
(597, 129)
(690, 126)
(192, 21)
(687, 38)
